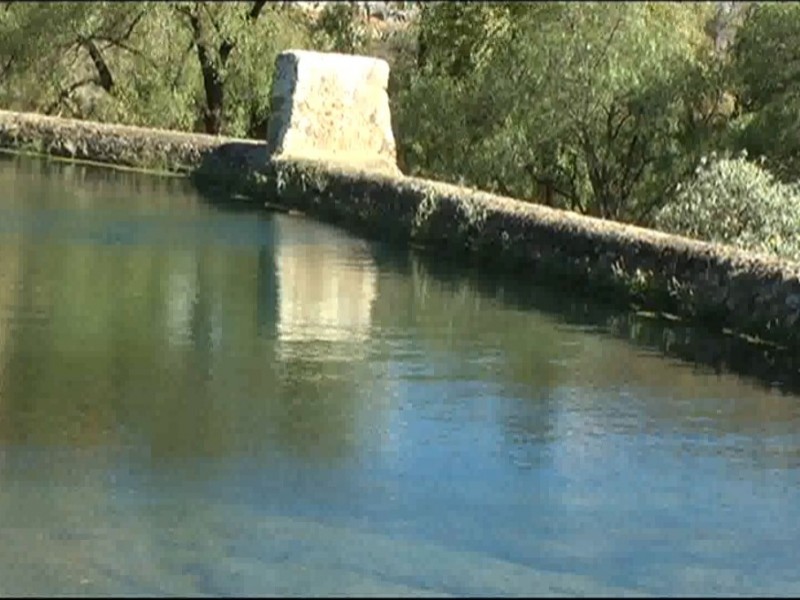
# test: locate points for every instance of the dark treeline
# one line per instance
(683, 116)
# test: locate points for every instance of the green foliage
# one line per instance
(734, 201)
(766, 71)
(339, 28)
(766, 55)
(156, 84)
(773, 133)
(456, 37)
(249, 72)
(585, 106)
(152, 54)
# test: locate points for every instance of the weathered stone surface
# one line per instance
(333, 107)
(125, 145)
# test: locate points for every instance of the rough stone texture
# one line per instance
(124, 145)
(332, 107)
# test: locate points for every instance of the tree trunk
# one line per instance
(215, 92)
(422, 52)
(212, 81)
(104, 78)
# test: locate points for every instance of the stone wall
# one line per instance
(152, 149)
(714, 285)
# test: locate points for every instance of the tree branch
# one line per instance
(256, 9)
(132, 25)
(611, 131)
(596, 172)
(211, 18)
(647, 207)
(182, 63)
(124, 46)
(225, 49)
(227, 45)
(212, 82)
(105, 80)
(184, 11)
(550, 182)
(7, 66)
(631, 174)
(600, 57)
(611, 35)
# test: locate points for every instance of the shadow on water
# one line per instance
(768, 366)
(216, 180)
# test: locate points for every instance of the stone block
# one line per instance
(332, 107)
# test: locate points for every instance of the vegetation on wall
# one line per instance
(602, 109)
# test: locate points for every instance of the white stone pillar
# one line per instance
(331, 107)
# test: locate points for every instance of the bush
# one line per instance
(735, 201)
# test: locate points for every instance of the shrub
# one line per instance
(735, 201)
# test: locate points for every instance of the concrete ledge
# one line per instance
(714, 285)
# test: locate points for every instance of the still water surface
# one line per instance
(216, 402)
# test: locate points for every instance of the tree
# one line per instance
(43, 39)
(215, 29)
(586, 106)
(341, 27)
(456, 38)
(160, 64)
(766, 71)
(765, 54)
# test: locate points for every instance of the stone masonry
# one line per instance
(332, 107)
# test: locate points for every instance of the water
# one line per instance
(201, 401)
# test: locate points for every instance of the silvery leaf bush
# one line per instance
(735, 201)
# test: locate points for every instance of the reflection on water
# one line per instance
(324, 298)
(200, 401)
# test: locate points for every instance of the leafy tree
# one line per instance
(183, 65)
(233, 42)
(766, 70)
(581, 105)
(43, 44)
(340, 28)
(456, 37)
(765, 53)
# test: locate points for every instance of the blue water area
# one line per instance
(201, 401)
